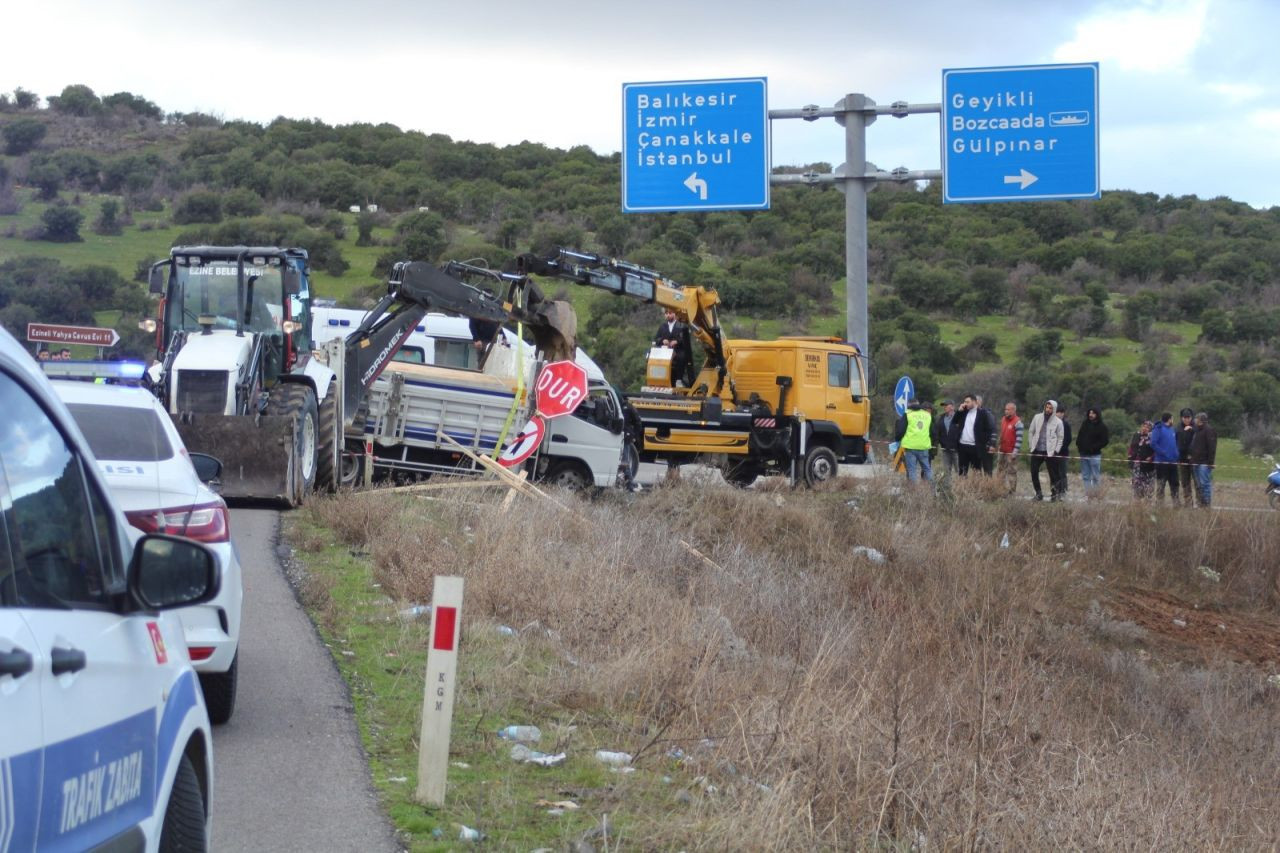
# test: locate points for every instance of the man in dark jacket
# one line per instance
(1185, 431)
(1165, 443)
(1092, 437)
(943, 438)
(674, 334)
(972, 431)
(1203, 452)
(1060, 462)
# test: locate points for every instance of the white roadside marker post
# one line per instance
(437, 699)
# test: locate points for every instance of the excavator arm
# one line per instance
(697, 306)
(415, 288)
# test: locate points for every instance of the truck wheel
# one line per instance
(820, 465)
(741, 474)
(299, 401)
(351, 470)
(219, 690)
(330, 446)
(1274, 497)
(184, 817)
(630, 464)
(569, 475)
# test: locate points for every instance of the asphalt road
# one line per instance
(290, 773)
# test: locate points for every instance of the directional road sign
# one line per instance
(1020, 133)
(902, 394)
(695, 145)
(561, 386)
(57, 334)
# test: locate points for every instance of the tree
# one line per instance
(242, 201)
(62, 224)
(22, 135)
(108, 222)
(198, 206)
(76, 100)
(1139, 312)
(1042, 348)
(48, 177)
(24, 100)
(421, 236)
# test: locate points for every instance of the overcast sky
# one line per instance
(1190, 89)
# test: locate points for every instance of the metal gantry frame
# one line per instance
(856, 112)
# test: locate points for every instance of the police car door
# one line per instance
(99, 678)
(22, 732)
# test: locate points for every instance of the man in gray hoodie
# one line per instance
(1044, 443)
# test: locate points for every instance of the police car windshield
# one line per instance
(122, 434)
(210, 290)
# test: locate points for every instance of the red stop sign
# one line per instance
(562, 385)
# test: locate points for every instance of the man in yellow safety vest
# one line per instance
(914, 434)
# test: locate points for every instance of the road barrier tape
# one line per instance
(1262, 465)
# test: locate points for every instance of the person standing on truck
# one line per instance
(1044, 441)
(914, 434)
(675, 334)
(1185, 432)
(1010, 446)
(1203, 452)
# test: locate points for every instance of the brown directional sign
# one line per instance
(88, 335)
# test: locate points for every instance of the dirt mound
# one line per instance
(1240, 636)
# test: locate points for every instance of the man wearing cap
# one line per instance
(915, 434)
(1203, 452)
(1185, 430)
(943, 438)
(1044, 442)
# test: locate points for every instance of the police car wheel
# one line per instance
(184, 828)
(220, 692)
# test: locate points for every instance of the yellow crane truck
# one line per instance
(795, 406)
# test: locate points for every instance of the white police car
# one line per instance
(104, 738)
(149, 471)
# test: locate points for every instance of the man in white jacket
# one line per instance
(1044, 442)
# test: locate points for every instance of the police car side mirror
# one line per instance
(168, 571)
(208, 469)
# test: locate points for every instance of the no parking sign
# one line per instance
(525, 442)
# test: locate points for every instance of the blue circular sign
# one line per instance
(903, 392)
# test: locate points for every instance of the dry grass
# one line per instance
(958, 695)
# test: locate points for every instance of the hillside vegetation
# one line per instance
(1135, 303)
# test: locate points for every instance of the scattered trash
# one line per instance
(622, 770)
(853, 503)
(1273, 680)
(1221, 627)
(977, 547)
(1101, 578)
(1181, 623)
(666, 780)
(1004, 541)
(398, 779)
(466, 833)
(1153, 519)
(348, 654)
(461, 765)
(563, 805)
(675, 752)
(1211, 574)
(507, 631)
(1080, 550)
(870, 553)
(616, 759)
(684, 797)
(778, 500)
(1066, 564)
(524, 755)
(524, 734)
(437, 833)
(417, 611)
(1058, 545)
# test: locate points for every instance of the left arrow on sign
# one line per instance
(1025, 178)
(696, 185)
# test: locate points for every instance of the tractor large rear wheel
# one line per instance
(327, 465)
(299, 401)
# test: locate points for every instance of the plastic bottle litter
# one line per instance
(524, 755)
(614, 759)
(417, 611)
(466, 833)
(870, 553)
(524, 734)
(1004, 541)
(507, 631)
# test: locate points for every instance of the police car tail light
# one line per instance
(203, 523)
(199, 653)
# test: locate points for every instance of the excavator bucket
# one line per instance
(556, 330)
(256, 452)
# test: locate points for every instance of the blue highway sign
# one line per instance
(1020, 133)
(902, 394)
(695, 145)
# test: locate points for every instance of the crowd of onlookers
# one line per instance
(63, 354)
(1162, 456)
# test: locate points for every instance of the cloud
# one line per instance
(1149, 37)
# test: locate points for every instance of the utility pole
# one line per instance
(856, 112)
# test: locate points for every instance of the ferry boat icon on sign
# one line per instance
(1075, 118)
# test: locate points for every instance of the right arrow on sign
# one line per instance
(696, 185)
(1026, 179)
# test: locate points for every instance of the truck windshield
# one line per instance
(210, 289)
